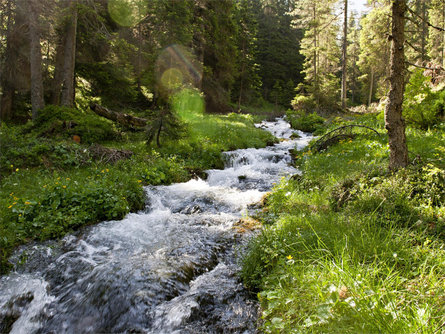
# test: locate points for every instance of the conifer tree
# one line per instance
(320, 48)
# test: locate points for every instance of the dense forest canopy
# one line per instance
(138, 53)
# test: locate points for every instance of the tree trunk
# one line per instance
(315, 53)
(394, 123)
(58, 70)
(344, 59)
(424, 32)
(35, 59)
(371, 84)
(7, 61)
(67, 98)
(242, 75)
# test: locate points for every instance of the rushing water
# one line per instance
(168, 269)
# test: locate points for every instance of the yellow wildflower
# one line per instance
(63, 187)
(139, 181)
(289, 257)
(9, 207)
(107, 170)
(16, 169)
(26, 203)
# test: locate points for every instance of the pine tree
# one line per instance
(353, 70)
(278, 54)
(375, 50)
(320, 48)
(436, 37)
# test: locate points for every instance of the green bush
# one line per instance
(65, 205)
(305, 122)
(20, 151)
(422, 106)
(303, 103)
(54, 121)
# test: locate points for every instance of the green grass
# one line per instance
(351, 248)
(46, 194)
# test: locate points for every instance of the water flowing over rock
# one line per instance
(168, 269)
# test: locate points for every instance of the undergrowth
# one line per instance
(51, 185)
(349, 247)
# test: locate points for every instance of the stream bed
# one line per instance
(168, 269)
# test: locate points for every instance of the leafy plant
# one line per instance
(422, 106)
(305, 122)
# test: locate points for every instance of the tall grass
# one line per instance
(351, 248)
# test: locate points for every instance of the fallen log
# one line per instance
(122, 118)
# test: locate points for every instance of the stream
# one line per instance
(168, 269)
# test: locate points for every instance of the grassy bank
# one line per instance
(351, 248)
(51, 185)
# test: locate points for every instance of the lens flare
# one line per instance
(173, 59)
(188, 101)
(172, 78)
(127, 13)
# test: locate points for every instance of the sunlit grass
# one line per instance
(349, 247)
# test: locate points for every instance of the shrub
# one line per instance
(66, 122)
(305, 122)
(29, 151)
(422, 105)
(303, 103)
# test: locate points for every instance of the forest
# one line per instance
(105, 105)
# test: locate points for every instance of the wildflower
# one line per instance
(289, 257)
(107, 170)
(27, 203)
(12, 166)
(44, 186)
(9, 207)
(68, 179)
(102, 171)
(64, 187)
(139, 181)
(16, 169)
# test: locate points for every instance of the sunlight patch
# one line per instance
(177, 68)
(127, 13)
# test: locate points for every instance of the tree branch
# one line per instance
(428, 23)
(440, 68)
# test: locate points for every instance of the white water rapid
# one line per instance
(168, 269)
